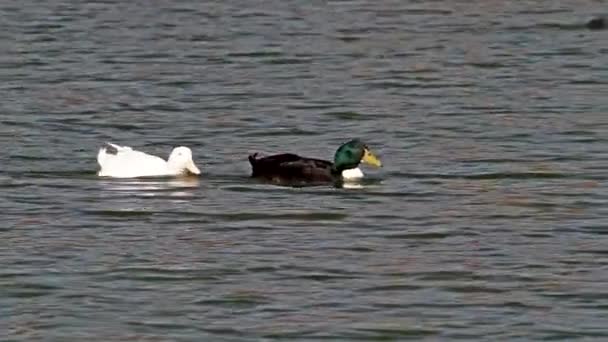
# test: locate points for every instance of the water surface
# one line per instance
(487, 222)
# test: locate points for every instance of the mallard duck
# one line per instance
(124, 162)
(288, 168)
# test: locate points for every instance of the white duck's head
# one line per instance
(181, 159)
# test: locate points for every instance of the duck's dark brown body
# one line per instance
(288, 168)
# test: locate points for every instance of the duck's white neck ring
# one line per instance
(352, 174)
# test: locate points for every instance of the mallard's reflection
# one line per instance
(352, 185)
(359, 183)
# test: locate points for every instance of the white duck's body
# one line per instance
(129, 163)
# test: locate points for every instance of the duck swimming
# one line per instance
(124, 162)
(292, 169)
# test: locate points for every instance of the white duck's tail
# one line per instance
(118, 148)
(110, 148)
(103, 153)
(101, 156)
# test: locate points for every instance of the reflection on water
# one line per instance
(134, 184)
(487, 221)
(352, 185)
(174, 186)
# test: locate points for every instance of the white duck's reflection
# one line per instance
(174, 187)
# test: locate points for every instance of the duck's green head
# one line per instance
(352, 153)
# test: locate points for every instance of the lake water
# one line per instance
(488, 220)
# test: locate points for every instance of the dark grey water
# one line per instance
(488, 221)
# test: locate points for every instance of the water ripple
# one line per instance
(486, 222)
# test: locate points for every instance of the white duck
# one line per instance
(129, 163)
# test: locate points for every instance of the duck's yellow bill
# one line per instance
(371, 159)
